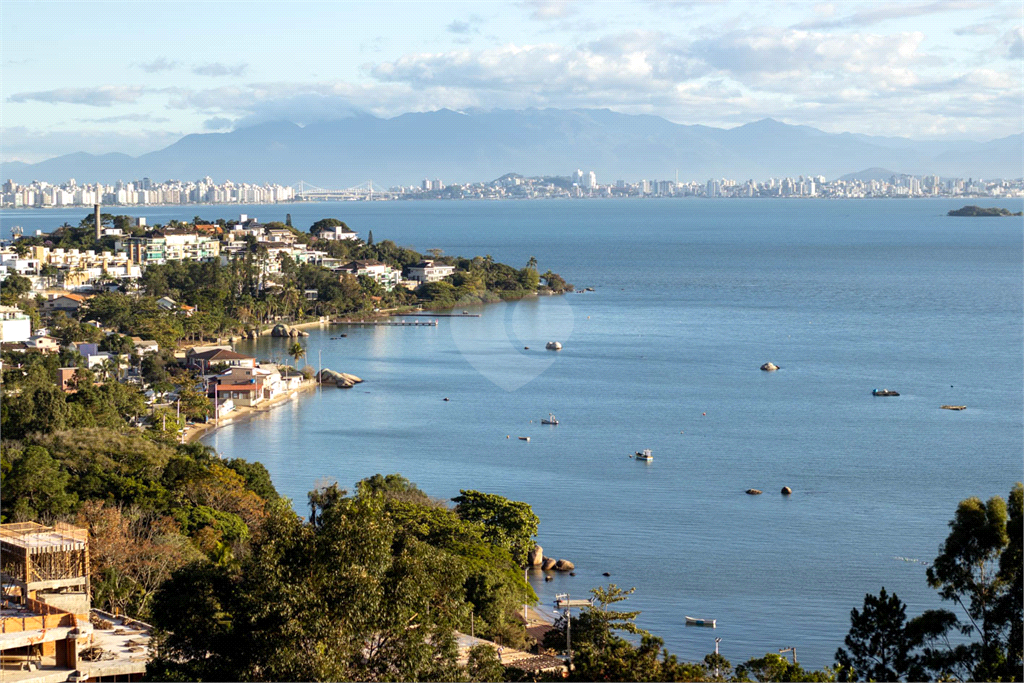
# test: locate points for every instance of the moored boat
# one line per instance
(644, 455)
(884, 392)
(552, 420)
(691, 621)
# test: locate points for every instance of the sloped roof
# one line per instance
(221, 355)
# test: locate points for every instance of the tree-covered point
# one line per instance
(973, 210)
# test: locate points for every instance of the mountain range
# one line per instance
(482, 145)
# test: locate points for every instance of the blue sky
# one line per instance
(131, 76)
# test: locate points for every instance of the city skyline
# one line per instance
(924, 70)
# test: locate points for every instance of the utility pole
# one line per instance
(568, 623)
(717, 640)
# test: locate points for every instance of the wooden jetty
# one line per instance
(389, 323)
(441, 315)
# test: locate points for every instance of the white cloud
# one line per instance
(220, 69)
(100, 96)
(157, 65)
(888, 11)
(546, 10)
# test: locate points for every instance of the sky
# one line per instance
(132, 76)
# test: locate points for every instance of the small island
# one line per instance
(980, 211)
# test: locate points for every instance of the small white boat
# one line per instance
(645, 455)
(710, 623)
(552, 420)
(553, 346)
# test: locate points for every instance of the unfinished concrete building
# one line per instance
(48, 631)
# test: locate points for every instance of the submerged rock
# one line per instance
(754, 492)
(786, 490)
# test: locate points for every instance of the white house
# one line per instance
(375, 270)
(144, 346)
(338, 232)
(15, 326)
(429, 271)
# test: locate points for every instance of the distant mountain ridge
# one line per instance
(480, 146)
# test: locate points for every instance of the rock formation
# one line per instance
(769, 367)
(536, 556)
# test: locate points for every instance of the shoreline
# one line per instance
(243, 413)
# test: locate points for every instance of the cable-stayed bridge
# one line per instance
(363, 191)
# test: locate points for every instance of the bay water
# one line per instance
(690, 298)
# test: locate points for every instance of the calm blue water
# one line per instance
(691, 298)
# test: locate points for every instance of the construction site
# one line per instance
(48, 629)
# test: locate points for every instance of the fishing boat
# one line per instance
(690, 621)
(552, 420)
(884, 392)
(644, 455)
(524, 438)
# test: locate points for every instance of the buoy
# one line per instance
(606, 574)
(508, 436)
(701, 413)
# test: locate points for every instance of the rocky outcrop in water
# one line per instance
(342, 380)
(536, 556)
(769, 367)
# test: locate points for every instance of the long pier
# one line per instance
(440, 315)
(389, 323)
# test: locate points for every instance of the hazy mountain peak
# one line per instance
(479, 145)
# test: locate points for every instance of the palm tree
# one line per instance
(297, 351)
(532, 263)
(111, 368)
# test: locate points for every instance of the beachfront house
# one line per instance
(429, 271)
(379, 272)
(243, 386)
(206, 359)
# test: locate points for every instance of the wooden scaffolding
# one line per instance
(34, 557)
